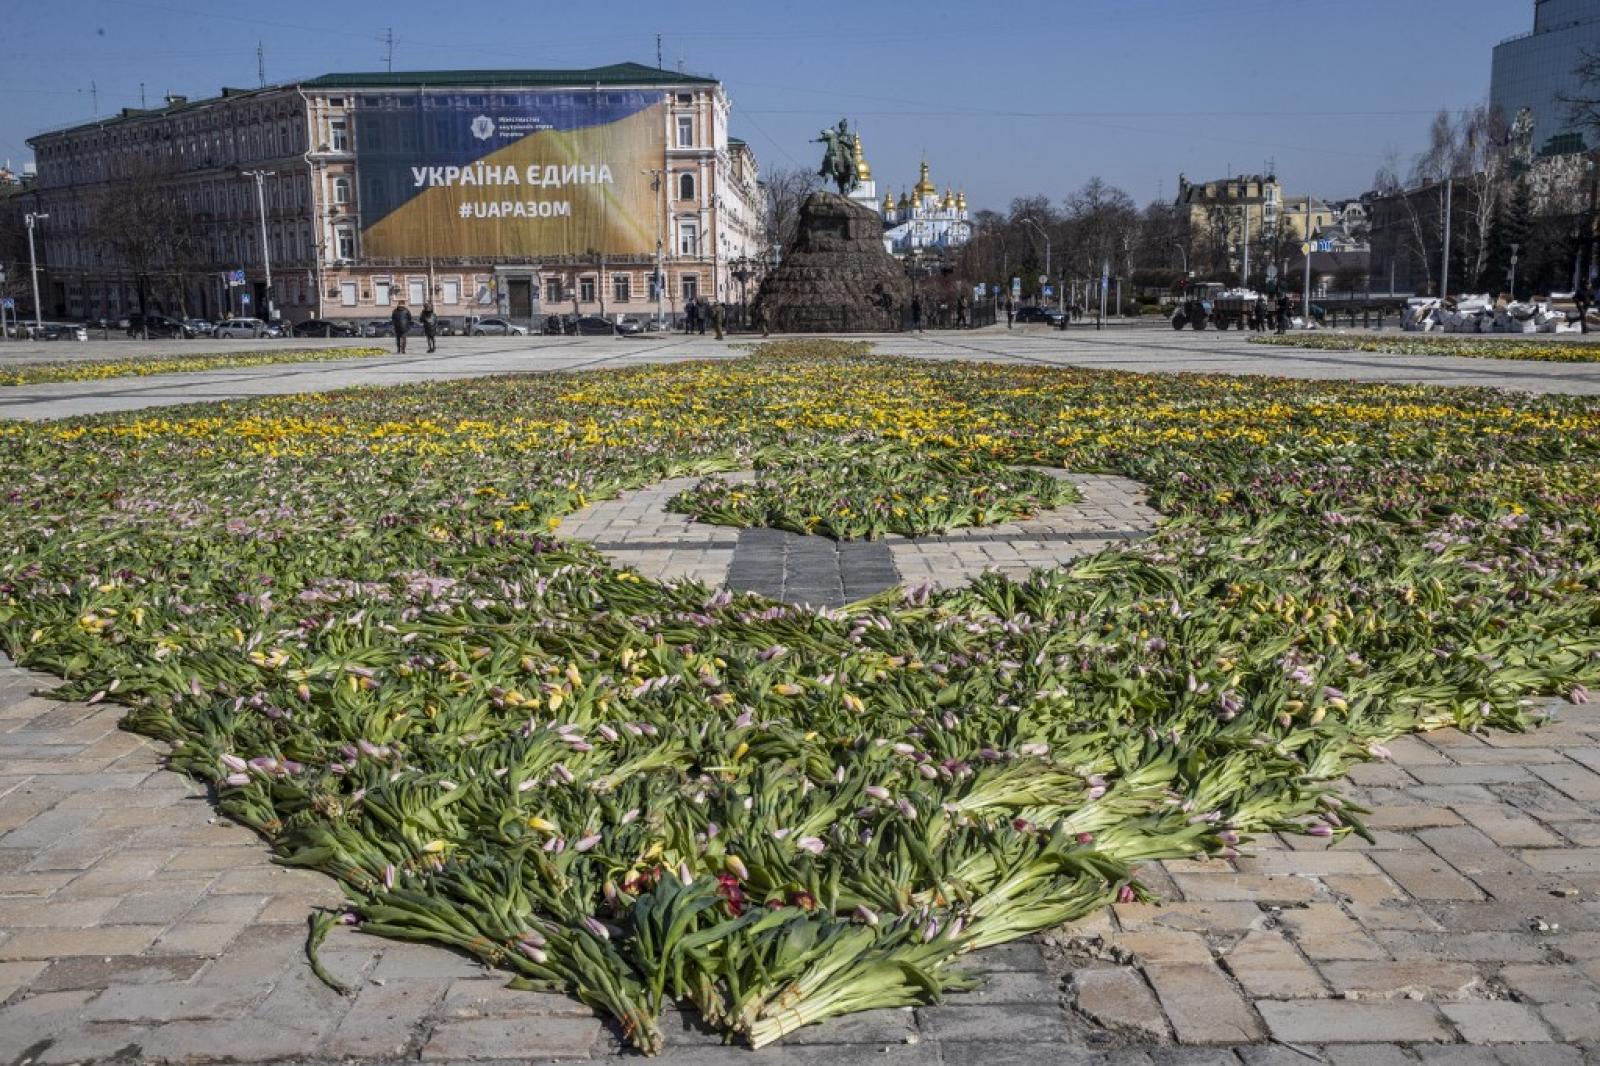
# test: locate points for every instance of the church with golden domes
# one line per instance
(923, 221)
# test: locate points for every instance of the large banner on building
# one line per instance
(519, 175)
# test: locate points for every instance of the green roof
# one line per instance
(615, 74)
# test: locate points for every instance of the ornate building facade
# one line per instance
(925, 221)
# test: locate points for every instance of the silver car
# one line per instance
(235, 328)
(497, 327)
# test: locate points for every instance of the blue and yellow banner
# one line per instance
(517, 175)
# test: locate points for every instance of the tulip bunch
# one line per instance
(864, 491)
(642, 793)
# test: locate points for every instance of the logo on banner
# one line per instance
(483, 127)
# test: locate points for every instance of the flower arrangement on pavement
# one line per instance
(348, 614)
(102, 369)
(1441, 344)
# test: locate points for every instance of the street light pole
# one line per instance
(261, 177)
(1514, 248)
(1046, 237)
(33, 267)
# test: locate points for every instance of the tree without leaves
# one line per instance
(782, 193)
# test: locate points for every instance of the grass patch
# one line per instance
(99, 370)
(1443, 344)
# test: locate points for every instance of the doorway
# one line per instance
(520, 293)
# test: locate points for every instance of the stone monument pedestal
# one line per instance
(837, 278)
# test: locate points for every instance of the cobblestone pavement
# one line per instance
(637, 530)
(1147, 348)
(135, 924)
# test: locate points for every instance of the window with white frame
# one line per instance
(621, 288)
(586, 290)
(345, 239)
(450, 292)
(417, 291)
(380, 293)
(685, 131)
(686, 186)
(340, 134)
(552, 290)
(688, 238)
(341, 190)
(689, 286)
(347, 293)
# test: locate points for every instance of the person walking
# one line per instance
(701, 314)
(916, 313)
(719, 317)
(430, 326)
(689, 311)
(1283, 313)
(961, 312)
(401, 320)
(758, 317)
(1011, 312)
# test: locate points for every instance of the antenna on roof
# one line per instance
(141, 96)
(388, 48)
(261, 66)
(94, 98)
(658, 53)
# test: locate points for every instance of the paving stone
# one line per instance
(101, 940)
(1496, 1022)
(1165, 945)
(877, 1027)
(1507, 827)
(1118, 999)
(1573, 1022)
(1245, 887)
(1426, 876)
(19, 975)
(235, 1040)
(1333, 1021)
(1382, 979)
(1467, 947)
(102, 971)
(488, 997)
(1197, 916)
(1367, 1055)
(1268, 967)
(1202, 1005)
(519, 1039)
(951, 1022)
(1549, 983)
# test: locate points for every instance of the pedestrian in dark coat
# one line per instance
(690, 311)
(430, 326)
(916, 313)
(1283, 313)
(401, 321)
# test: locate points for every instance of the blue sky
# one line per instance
(1007, 100)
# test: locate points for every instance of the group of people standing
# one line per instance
(401, 319)
(699, 313)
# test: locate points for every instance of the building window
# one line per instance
(685, 99)
(417, 291)
(341, 190)
(688, 238)
(341, 135)
(621, 288)
(346, 243)
(686, 186)
(450, 293)
(380, 293)
(685, 131)
(552, 290)
(586, 290)
(347, 293)
(689, 285)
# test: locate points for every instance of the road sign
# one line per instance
(1044, 279)
(235, 277)
(8, 304)
(1305, 247)
(1049, 291)
(1105, 283)
(244, 298)
(1016, 288)
(980, 290)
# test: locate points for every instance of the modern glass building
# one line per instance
(1535, 70)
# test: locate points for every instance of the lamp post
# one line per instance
(33, 267)
(1046, 237)
(741, 272)
(1514, 248)
(261, 177)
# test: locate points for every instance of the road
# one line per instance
(1149, 349)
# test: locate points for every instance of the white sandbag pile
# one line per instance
(1483, 314)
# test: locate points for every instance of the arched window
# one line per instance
(341, 190)
(686, 186)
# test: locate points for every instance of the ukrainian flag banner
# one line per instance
(518, 175)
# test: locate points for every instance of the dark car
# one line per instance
(58, 331)
(627, 327)
(594, 326)
(1038, 314)
(322, 327)
(158, 326)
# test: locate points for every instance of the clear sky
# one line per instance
(1011, 99)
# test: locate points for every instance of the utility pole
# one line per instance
(388, 48)
(33, 266)
(658, 53)
(261, 177)
(1046, 237)
(1246, 279)
(1514, 248)
(660, 281)
(1444, 255)
(261, 66)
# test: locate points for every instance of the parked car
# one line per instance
(1036, 314)
(322, 327)
(627, 327)
(444, 327)
(158, 326)
(200, 327)
(235, 328)
(496, 327)
(377, 327)
(58, 331)
(595, 326)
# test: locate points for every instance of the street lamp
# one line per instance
(261, 203)
(1514, 247)
(33, 267)
(1046, 237)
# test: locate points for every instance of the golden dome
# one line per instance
(961, 200)
(905, 201)
(949, 199)
(863, 171)
(888, 203)
(924, 187)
